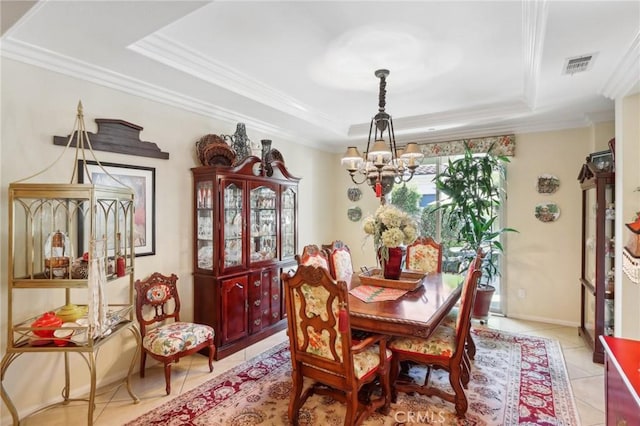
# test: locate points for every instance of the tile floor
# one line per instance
(114, 407)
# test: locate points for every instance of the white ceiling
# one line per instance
(304, 70)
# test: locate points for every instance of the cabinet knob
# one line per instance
(256, 283)
(257, 322)
(240, 286)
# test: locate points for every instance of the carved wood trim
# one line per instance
(117, 136)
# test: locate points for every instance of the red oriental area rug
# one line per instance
(516, 380)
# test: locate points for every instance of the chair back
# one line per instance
(466, 299)
(340, 265)
(157, 300)
(424, 255)
(314, 301)
(313, 256)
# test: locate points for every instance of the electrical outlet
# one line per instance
(522, 293)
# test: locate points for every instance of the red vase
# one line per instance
(392, 267)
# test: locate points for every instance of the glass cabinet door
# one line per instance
(288, 223)
(204, 224)
(263, 241)
(233, 228)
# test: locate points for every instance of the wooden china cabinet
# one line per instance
(598, 226)
(245, 236)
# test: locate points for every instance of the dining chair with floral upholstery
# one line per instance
(424, 255)
(340, 264)
(164, 337)
(444, 349)
(323, 352)
(313, 256)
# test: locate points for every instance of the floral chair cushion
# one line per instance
(366, 362)
(342, 265)
(170, 339)
(423, 258)
(442, 343)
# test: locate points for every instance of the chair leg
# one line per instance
(212, 352)
(296, 394)
(460, 396)
(466, 370)
(393, 376)
(351, 399)
(386, 388)
(167, 377)
(143, 361)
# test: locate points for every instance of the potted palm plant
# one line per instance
(473, 195)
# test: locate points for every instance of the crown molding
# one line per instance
(43, 58)
(626, 76)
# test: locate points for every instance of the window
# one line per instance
(430, 222)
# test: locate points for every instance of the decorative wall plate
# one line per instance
(547, 212)
(354, 214)
(354, 193)
(548, 184)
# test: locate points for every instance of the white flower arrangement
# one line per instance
(390, 227)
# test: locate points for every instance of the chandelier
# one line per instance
(382, 164)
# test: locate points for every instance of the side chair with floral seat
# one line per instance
(340, 264)
(164, 337)
(424, 255)
(323, 351)
(444, 349)
(313, 256)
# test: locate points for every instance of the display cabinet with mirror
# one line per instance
(598, 254)
(245, 236)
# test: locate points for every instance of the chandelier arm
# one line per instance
(353, 178)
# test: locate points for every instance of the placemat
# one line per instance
(370, 293)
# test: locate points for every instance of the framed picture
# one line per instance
(143, 182)
(602, 160)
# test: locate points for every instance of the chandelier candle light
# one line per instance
(382, 164)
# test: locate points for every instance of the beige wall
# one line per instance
(38, 104)
(543, 259)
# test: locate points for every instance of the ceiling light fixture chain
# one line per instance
(382, 164)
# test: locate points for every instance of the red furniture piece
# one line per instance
(622, 380)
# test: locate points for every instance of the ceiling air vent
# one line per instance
(578, 63)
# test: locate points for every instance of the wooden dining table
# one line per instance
(417, 313)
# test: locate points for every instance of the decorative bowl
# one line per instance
(70, 313)
(64, 334)
(48, 319)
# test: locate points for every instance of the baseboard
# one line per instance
(544, 320)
